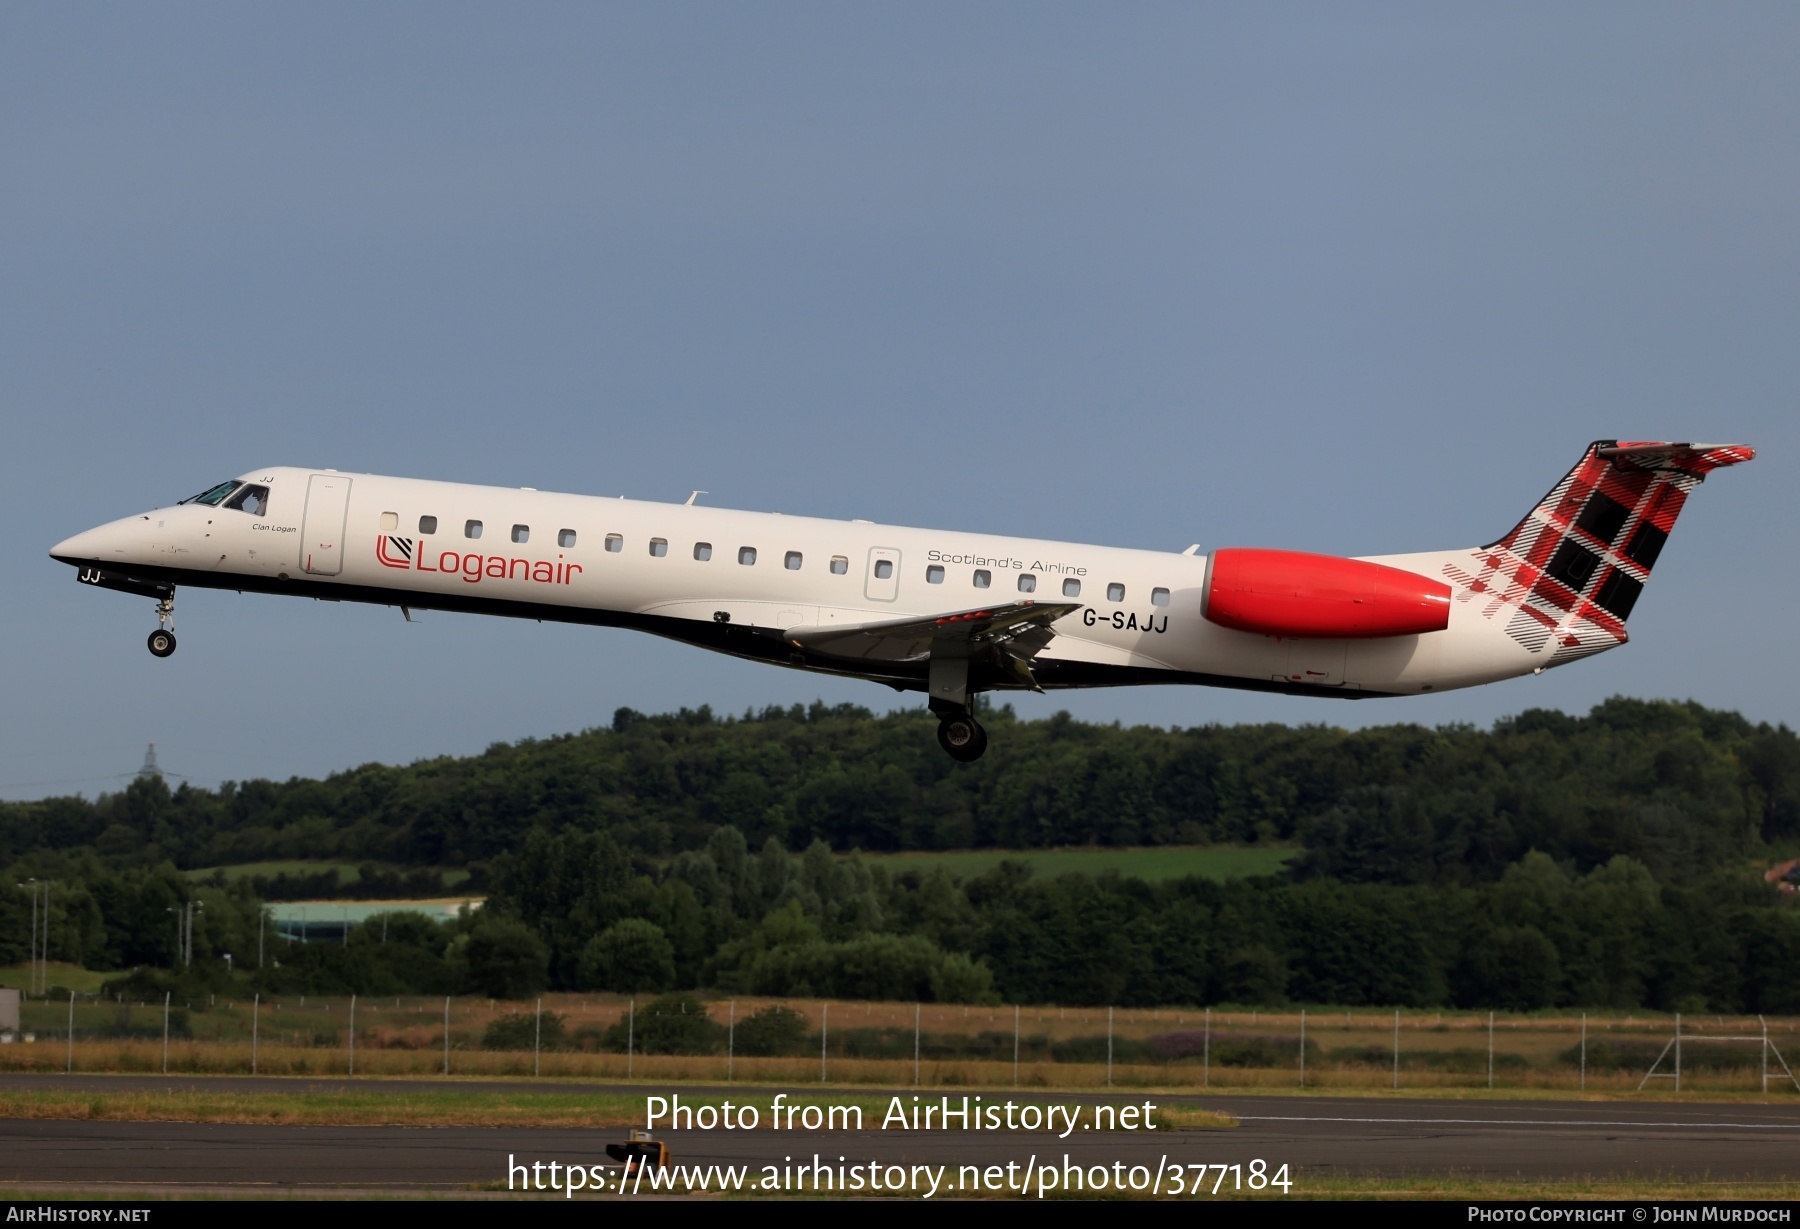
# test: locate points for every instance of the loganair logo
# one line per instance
(393, 551)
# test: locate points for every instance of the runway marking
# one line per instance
(1530, 1122)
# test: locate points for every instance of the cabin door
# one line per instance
(322, 533)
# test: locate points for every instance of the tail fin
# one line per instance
(1573, 568)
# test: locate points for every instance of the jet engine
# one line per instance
(1293, 594)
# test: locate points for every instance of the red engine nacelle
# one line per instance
(1289, 593)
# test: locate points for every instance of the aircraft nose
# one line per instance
(81, 548)
(69, 549)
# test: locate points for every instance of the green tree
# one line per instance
(631, 956)
(503, 959)
(1253, 974)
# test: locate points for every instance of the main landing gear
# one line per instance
(162, 640)
(947, 692)
(962, 737)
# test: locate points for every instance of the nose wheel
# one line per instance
(962, 738)
(162, 640)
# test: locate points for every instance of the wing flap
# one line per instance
(1019, 629)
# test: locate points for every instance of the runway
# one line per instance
(1314, 1136)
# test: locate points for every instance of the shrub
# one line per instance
(1189, 1045)
(518, 1030)
(1607, 1055)
(1463, 1060)
(145, 1021)
(771, 1033)
(673, 1024)
(1093, 1050)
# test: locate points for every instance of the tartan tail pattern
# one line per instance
(1568, 575)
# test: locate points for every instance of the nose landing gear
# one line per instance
(162, 640)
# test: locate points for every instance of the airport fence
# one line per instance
(758, 1040)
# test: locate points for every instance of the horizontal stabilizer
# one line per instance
(1697, 459)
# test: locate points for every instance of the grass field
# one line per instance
(1216, 862)
(1164, 1049)
(69, 976)
(377, 1106)
(198, 1058)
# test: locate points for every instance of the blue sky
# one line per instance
(1340, 278)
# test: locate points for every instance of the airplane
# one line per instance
(951, 614)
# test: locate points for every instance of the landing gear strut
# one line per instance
(947, 691)
(162, 640)
(962, 737)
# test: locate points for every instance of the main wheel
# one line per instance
(162, 643)
(962, 738)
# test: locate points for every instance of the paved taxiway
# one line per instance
(1547, 1140)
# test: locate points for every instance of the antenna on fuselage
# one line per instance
(689, 502)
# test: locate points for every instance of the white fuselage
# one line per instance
(735, 581)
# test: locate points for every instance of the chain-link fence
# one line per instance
(681, 1037)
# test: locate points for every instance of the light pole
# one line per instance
(188, 955)
(30, 885)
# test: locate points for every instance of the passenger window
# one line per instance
(565, 537)
(703, 551)
(934, 575)
(1115, 593)
(428, 524)
(390, 521)
(1159, 597)
(791, 561)
(659, 547)
(521, 533)
(471, 529)
(839, 565)
(615, 543)
(884, 569)
(983, 578)
(1027, 583)
(1071, 588)
(747, 555)
(255, 501)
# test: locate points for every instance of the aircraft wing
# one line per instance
(1013, 633)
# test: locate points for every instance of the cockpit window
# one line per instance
(250, 498)
(212, 495)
